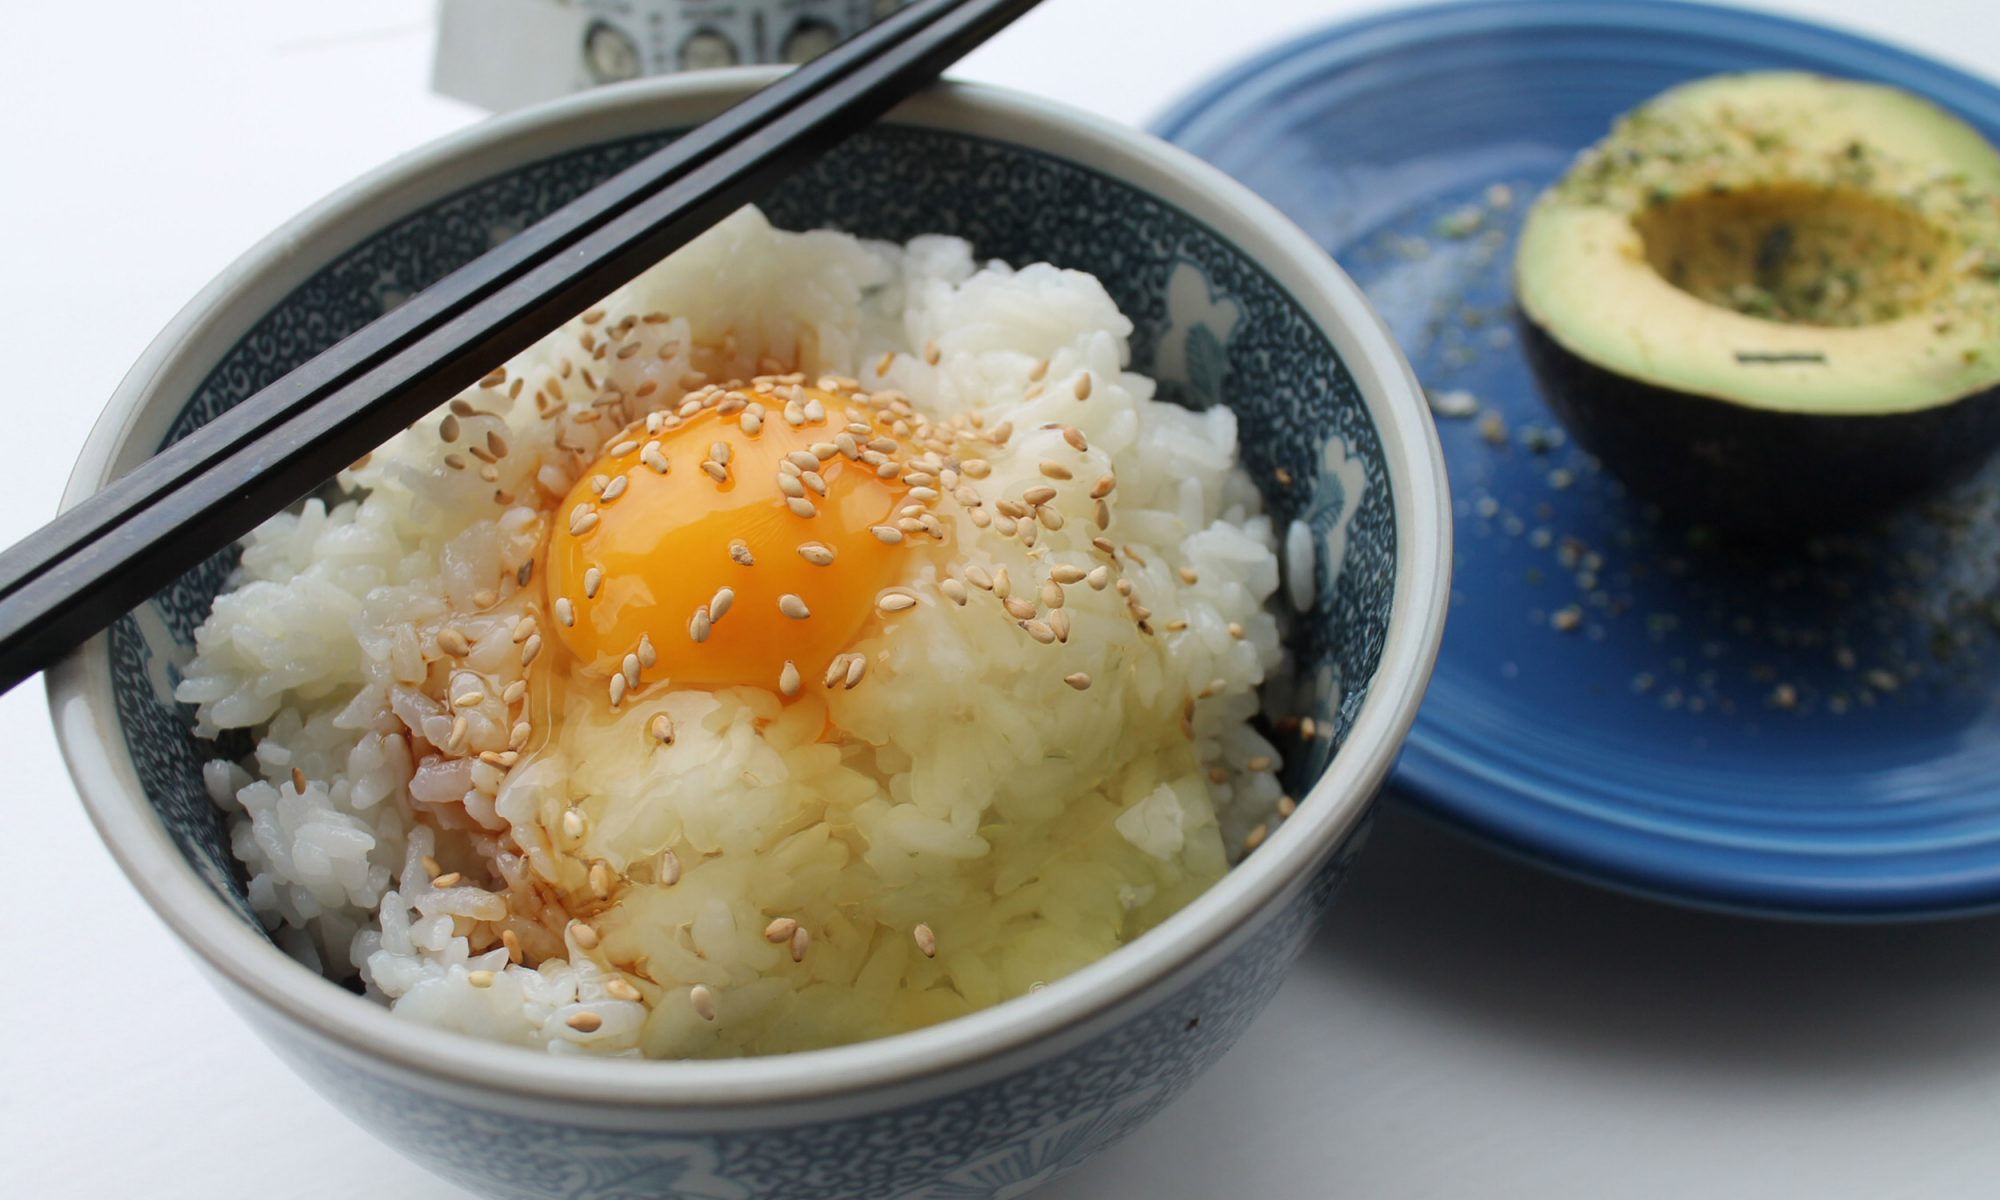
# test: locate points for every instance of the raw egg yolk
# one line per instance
(721, 543)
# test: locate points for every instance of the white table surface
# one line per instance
(1463, 1027)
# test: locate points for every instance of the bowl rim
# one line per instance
(93, 746)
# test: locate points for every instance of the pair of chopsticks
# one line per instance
(101, 558)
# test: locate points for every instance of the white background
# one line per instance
(1464, 1026)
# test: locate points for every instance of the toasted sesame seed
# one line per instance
(888, 535)
(1189, 575)
(1075, 438)
(999, 434)
(718, 608)
(1236, 630)
(793, 607)
(976, 576)
(739, 553)
(448, 428)
(926, 940)
(593, 579)
(976, 468)
(600, 880)
(1055, 470)
(468, 700)
(452, 642)
(1102, 515)
(1078, 680)
(1255, 837)
(931, 352)
(894, 602)
(801, 507)
(585, 1022)
(780, 930)
(618, 988)
(299, 778)
(1039, 631)
(703, 1001)
(512, 941)
(1103, 487)
(883, 364)
(584, 934)
(480, 979)
(1059, 623)
(1083, 386)
(1039, 494)
(1067, 574)
(461, 407)
(819, 554)
(1051, 519)
(1052, 594)
(800, 941)
(1002, 584)
(565, 611)
(788, 679)
(1018, 608)
(953, 590)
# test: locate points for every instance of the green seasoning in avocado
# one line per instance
(1772, 300)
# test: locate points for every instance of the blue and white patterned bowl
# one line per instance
(1232, 305)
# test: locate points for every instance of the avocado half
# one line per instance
(1771, 301)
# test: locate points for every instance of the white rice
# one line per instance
(1030, 827)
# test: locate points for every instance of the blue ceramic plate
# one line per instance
(1813, 736)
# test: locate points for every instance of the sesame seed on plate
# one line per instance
(1066, 574)
(819, 554)
(953, 590)
(1055, 470)
(699, 625)
(619, 988)
(512, 942)
(1078, 680)
(801, 507)
(1083, 386)
(479, 979)
(926, 940)
(718, 608)
(1075, 438)
(1059, 624)
(780, 930)
(1040, 631)
(583, 934)
(800, 940)
(886, 534)
(452, 642)
(1103, 487)
(857, 666)
(299, 780)
(894, 602)
(793, 607)
(585, 1022)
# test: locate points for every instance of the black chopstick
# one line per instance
(108, 553)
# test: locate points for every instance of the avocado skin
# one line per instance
(1754, 473)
